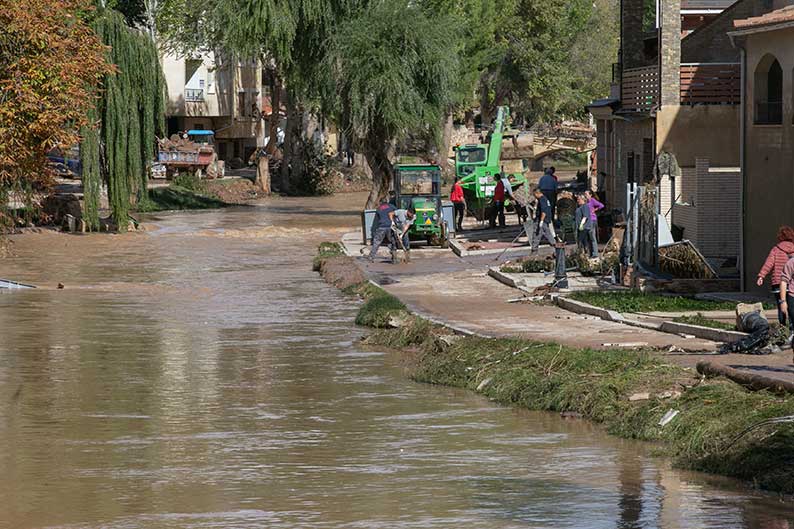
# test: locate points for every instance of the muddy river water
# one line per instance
(199, 375)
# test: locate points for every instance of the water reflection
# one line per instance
(214, 381)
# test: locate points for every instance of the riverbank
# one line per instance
(701, 424)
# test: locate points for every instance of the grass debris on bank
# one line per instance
(598, 385)
(628, 392)
(636, 301)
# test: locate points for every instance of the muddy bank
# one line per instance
(701, 424)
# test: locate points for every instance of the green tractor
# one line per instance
(418, 187)
(476, 165)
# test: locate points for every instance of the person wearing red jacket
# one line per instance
(456, 196)
(498, 209)
(778, 256)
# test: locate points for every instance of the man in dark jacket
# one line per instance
(544, 227)
(381, 230)
(583, 224)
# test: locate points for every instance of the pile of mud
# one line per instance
(341, 272)
(237, 191)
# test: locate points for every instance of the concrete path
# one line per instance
(457, 291)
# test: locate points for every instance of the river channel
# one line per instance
(200, 375)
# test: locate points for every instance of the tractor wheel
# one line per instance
(444, 239)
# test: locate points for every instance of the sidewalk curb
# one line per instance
(704, 333)
(585, 308)
(503, 278)
(707, 333)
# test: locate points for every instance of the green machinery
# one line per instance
(476, 165)
(418, 187)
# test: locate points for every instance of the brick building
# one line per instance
(677, 90)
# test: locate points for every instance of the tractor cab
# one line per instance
(418, 187)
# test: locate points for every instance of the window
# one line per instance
(768, 91)
(471, 155)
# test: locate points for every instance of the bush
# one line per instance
(636, 301)
(188, 180)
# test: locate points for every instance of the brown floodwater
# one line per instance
(199, 375)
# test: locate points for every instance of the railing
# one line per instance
(711, 84)
(640, 89)
(193, 95)
(769, 113)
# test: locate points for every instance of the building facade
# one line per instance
(677, 91)
(767, 139)
(216, 92)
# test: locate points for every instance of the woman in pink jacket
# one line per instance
(775, 261)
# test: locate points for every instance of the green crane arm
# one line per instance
(495, 145)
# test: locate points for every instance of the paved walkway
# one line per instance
(439, 285)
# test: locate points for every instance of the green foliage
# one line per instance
(636, 301)
(703, 321)
(191, 182)
(326, 250)
(597, 385)
(178, 198)
(131, 114)
(50, 62)
(320, 176)
(378, 308)
(531, 265)
(393, 71)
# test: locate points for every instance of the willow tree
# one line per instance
(393, 72)
(288, 36)
(129, 115)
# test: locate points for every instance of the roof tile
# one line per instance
(778, 16)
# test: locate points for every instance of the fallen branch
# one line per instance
(749, 380)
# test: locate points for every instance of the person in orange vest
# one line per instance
(458, 200)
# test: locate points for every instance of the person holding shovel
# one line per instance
(403, 220)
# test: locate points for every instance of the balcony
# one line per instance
(711, 84)
(193, 95)
(639, 91)
(701, 84)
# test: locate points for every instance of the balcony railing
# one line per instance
(701, 84)
(194, 95)
(640, 89)
(769, 113)
(711, 84)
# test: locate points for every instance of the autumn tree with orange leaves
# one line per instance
(50, 65)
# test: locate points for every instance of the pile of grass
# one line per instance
(636, 301)
(703, 321)
(598, 384)
(327, 250)
(529, 266)
(379, 306)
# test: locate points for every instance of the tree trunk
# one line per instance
(749, 380)
(446, 145)
(292, 147)
(275, 105)
(379, 156)
(263, 175)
